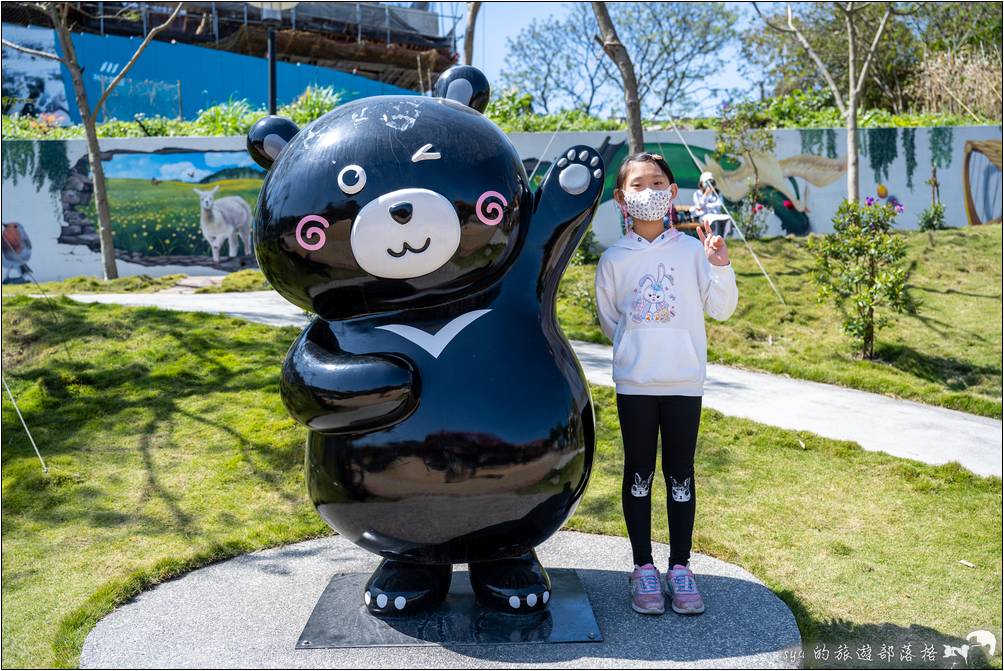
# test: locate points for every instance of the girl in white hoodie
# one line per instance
(653, 287)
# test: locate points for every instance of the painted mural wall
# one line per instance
(159, 187)
(803, 182)
(168, 79)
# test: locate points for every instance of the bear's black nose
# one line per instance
(401, 212)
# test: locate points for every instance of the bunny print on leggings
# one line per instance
(653, 298)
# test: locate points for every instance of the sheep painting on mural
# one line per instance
(225, 219)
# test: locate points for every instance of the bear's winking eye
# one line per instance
(425, 153)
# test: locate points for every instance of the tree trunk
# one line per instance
(619, 55)
(853, 159)
(472, 19)
(852, 112)
(93, 152)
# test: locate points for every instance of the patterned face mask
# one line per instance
(648, 205)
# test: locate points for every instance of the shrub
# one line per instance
(585, 253)
(513, 113)
(933, 218)
(314, 102)
(859, 267)
(233, 117)
(751, 217)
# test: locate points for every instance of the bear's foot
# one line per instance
(517, 585)
(403, 588)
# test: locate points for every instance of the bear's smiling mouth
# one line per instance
(408, 248)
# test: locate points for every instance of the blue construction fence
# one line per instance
(169, 79)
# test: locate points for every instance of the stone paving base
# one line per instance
(248, 612)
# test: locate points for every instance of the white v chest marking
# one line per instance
(434, 344)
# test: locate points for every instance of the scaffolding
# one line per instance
(403, 44)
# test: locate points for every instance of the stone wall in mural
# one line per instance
(176, 205)
(181, 204)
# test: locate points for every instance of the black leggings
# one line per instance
(641, 418)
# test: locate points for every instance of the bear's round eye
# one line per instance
(356, 179)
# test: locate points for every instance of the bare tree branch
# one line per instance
(32, 52)
(618, 53)
(871, 50)
(132, 61)
(763, 18)
(823, 70)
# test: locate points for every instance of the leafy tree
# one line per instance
(859, 267)
(781, 65)
(744, 130)
(559, 63)
(860, 47)
(673, 48)
(952, 26)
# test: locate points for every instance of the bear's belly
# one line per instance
(490, 464)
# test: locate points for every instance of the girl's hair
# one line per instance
(643, 157)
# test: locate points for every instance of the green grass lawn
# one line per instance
(242, 280)
(947, 354)
(85, 284)
(169, 448)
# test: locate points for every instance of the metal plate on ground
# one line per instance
(340, 620)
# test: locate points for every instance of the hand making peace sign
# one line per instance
(714, 245)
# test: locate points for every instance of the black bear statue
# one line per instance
(449, 420)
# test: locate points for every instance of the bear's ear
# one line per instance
(465, 84)
(267, 138)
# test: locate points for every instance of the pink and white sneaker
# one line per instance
(682, 588)
(646, 590)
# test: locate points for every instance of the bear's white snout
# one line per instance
(405, 233)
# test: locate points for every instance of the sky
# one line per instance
(183, 167)
(499, 22)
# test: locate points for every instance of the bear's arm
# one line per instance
(331, 391)
(563, 206)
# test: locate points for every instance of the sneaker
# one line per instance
(646, 590)
(682, 588)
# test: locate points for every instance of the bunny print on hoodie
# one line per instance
(651, 298)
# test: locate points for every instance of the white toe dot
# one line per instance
(399, 603)
(546, 597)
(570, 155)
(381, 600)
(531, 600)
(583, 155)
(562, 162)
(597, 173)
(367, 598)
(514, 601)
(595, 162)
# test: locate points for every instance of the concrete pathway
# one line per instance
(901, 428)
(248, 612)
(189, 284)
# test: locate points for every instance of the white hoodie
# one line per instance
(651, 298)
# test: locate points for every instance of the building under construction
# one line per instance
(214, 52)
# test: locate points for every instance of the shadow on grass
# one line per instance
(955, 374)
(138, 394)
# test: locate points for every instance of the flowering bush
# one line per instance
(751, 217)
(859, 266)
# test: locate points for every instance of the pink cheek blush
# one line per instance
(490, 214)
(314, 237)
